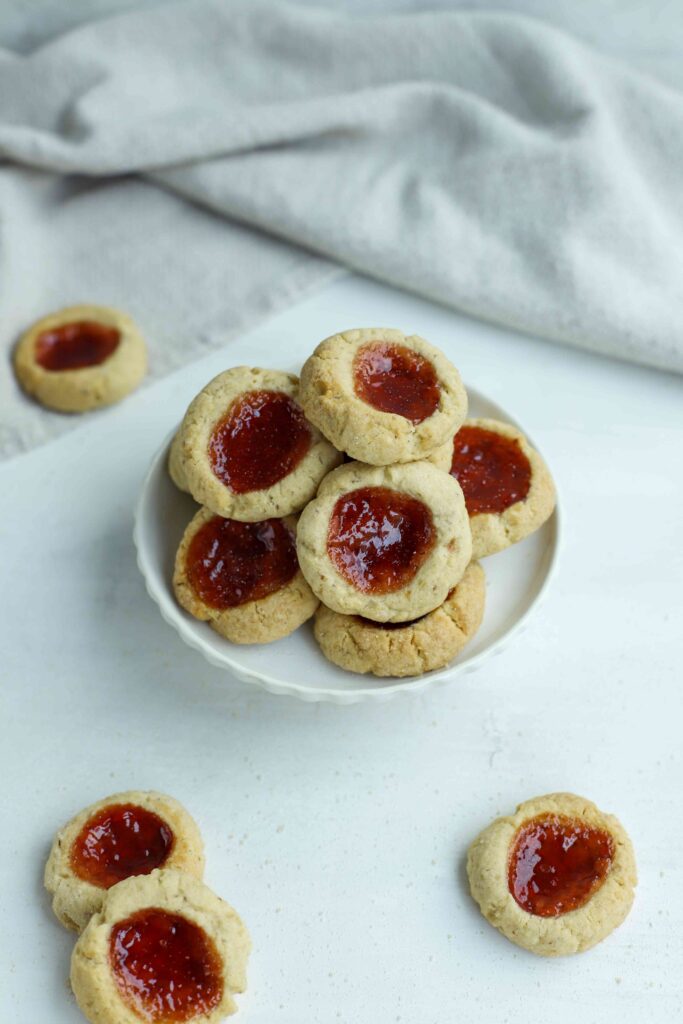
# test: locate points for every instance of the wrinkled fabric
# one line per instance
(202, 164)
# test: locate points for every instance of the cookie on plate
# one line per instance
(381, 396)
(243, 578)
(385, 542)
(556, 877)
(245, 449)
(162, 948)
(81, 358)
(175, 465)
(508, 489)
(125, 834)
(405, 648)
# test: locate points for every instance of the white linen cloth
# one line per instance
(487, 161)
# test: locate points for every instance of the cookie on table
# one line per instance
(381, 396)
(123, 835)
(243, 578)
(81, 358)
(385, 542)
(508, 489)
(245, 449)
(162, 948)
(405, 648)
(556, 877)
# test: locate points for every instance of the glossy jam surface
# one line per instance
(165, 966)
(229, 563)
(119, 841)
(557, 863)
(263, 438)
(393, 378)
(492, 470)
(76, 345)
(378, 538)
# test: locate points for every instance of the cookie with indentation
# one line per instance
(243, 578)
(125, 834)
(508, 489)
(81, 358)
(382, 396)
(405, 648)
(245, 449)
(162, 948)
(385, 542)
(556, 877)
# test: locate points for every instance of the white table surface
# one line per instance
(339, 833)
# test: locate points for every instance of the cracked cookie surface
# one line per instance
(332, 399)
(405, 649)
(605, 904)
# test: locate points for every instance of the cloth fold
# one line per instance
(483, 160)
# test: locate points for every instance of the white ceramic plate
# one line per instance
(516, 580)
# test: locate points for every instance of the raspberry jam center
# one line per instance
(394, 378)
(378, 538)
(492, 470)
(76, 345)
(230, 563)
(263, 437)
(557, 863)
(119, 841)
(166, 967)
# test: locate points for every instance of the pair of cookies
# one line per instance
(81, 358)
(156, 944)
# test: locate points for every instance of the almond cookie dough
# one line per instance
(243, 578)
(162, 948)
(385, 542)
(381, 396)
(81, 358)
(556, 877)
(410, 648)
(125, 834)
(508, 489)
(245, 449)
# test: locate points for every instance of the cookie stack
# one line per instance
(359, 494)
(156, 943)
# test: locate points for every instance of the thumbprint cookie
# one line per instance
(385, 542)
(123, 835)
(508, 489)
(381, 396)
(163, 948)
(245, 449)
(243, 578)
(81, 358)
(405, 648)
(556, 877)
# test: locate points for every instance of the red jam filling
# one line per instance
(557, 863)
(492, 470)
(119, 841)
(230, 563)
(378, 538)
(166, 967)
(76, 345)
(394, 378)
(263, 437)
